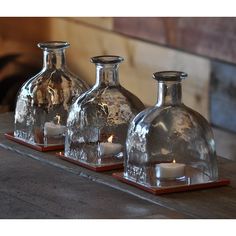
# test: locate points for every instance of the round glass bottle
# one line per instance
(98, 120)
(44, 100)
(170, 143)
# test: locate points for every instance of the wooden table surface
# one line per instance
(40, 185)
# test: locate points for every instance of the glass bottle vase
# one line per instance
(170, 144)
(44, 100)
(98, 120)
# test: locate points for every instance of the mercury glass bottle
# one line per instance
(98, 120)
(169, 143)
(44, 100)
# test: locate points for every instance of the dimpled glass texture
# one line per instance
(98, 120)
(44, 100)
(172, 134)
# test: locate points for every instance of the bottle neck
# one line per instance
(169, 93)
(107, 74)
(54, 59)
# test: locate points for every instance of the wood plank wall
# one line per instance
(20, 58)
(21, 35)
(147, 44)
(213, 37)
(95, 36)
(205, 48)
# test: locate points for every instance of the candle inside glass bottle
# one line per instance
(54, 128)
(109, 148)
(170, 170)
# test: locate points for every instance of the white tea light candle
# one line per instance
(51, 129)
(109, 148)
(170, 170)
(54, 128)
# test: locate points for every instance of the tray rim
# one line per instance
(175, 189)
(40, 148)
(91, 167)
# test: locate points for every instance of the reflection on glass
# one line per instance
(44, 100)
(98, 120)
(169, 143)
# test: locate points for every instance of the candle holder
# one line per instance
(170, 146)
(98, 121)
(94, 167)
(44, 100)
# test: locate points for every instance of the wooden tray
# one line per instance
(10, 136)
(178, 188)
(91, 167)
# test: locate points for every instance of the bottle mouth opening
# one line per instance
(169, 75)
(53, 45)
(107, 59)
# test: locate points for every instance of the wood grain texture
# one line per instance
(97, 189)
(100, 22)
(225, 143)
(223, 95)
(21, 35)
(213, 37)
(32, 190)
(29, 29)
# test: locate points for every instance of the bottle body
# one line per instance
(44, 100)
(98, 120)
(174, 134)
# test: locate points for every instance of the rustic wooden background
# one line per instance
(205, 48)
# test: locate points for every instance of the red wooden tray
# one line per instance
(178, 188)
(40, 148)
(91, 167)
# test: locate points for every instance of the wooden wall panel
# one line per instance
(21, 35)
(141, 60)
(100, 22)
(146, 44)
(213, 37)
(223, 96)
(29, 29)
